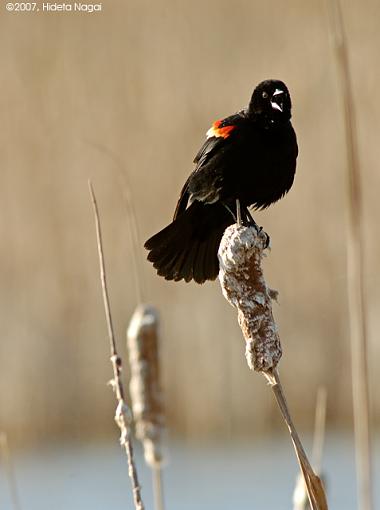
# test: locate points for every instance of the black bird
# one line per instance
(250, 157)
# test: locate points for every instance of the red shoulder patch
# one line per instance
(218, 130)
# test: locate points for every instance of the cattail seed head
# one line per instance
(243, 285)
(145, 389)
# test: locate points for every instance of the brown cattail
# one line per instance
(241, 277)
(145, 389)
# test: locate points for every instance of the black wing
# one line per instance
(204, 185)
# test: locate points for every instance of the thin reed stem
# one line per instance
(319, 429)
(123, 414)
(133, 228)
(157, 487)
(355, 268)
(314, 488)
(9, 470)
(300, 497)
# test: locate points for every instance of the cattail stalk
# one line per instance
(300, 499)
(145, 389)
(123, 413)
(243, 285)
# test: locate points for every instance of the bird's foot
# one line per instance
(244, 218)
(267, 240)
(252, 223)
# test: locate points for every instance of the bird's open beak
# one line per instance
(276, 100)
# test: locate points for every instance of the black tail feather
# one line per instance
(199, 268)
(212, 262)
(187, 248)
(186, 269)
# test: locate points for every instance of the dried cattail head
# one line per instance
(145, 389)
(241, 277)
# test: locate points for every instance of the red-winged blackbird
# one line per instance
(250, 157)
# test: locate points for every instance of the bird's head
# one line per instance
(271, 101)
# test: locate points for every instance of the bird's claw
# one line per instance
(259, 231)
(267, 240)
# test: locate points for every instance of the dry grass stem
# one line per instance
(135, 241)
(6, 458)
(123, 414)
(242, 280)
(133, 229)
(145, 389)
(157, 488)
(319, 428)
(314, 487)
(355, 269)
(300, 499)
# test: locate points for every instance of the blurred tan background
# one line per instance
(127, 95)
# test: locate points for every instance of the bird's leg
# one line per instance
(246, 220)
(238, 212)
(230, 211)
(250, 220)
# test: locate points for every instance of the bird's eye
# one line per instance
(265, 95)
